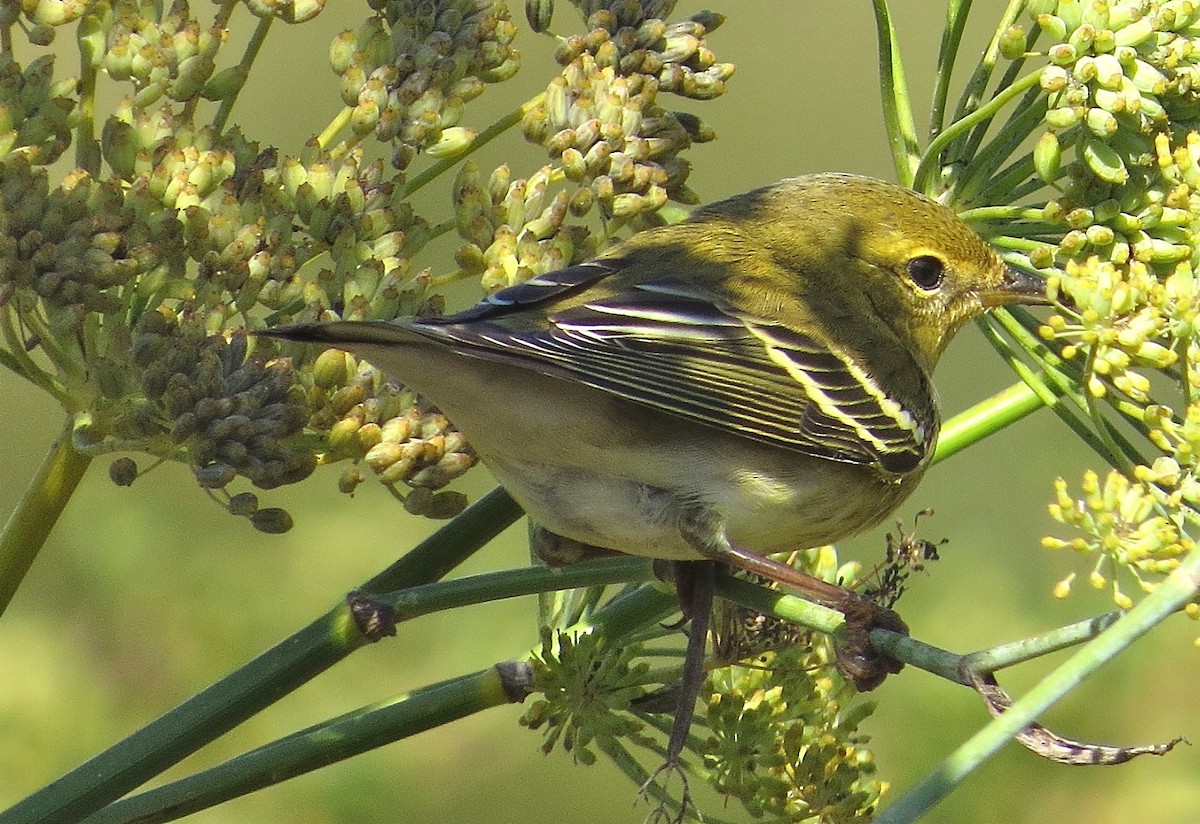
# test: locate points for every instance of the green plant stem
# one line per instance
(252, 48)
(412, 602)
(38, 511)
(37, 377)
(489, 134)
(1005, 214)
(957, 12)
(925, 172)
(973, 91)
(986, 418)
(335, 126)
(780, 604)
(87, 148)
(401, 716)
(15, 356)
(258, 684)
(1176, 590)
(897, 107)
(1027, 649)
(999, 186)
(981, 168)
(319, 746)
(1057, 387)
(951, 666)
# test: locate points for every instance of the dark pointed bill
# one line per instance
(1017, 286)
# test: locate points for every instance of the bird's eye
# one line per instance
(926, 272)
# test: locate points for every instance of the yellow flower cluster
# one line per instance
(1125, 527)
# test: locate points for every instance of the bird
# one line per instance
(754, 379)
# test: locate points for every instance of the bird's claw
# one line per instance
(856, 658)
(662, 812)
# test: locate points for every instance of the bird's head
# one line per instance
(869, 251)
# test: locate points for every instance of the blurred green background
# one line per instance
(145, 595)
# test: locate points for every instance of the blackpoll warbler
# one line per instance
(753, 380)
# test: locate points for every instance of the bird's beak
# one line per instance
(1016, 286)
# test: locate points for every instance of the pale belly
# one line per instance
(766, 509)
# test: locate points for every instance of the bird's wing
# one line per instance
(667, 346)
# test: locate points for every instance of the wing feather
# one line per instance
(668, 347)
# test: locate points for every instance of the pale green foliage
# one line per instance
(1115, 210)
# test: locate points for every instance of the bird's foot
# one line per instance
(662, 812)
(857, 659)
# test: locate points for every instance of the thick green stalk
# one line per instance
(413, 602)
(260, 683)
(1172, 594)
(38, 511)
(321, 745)
(986, 418)
(399, 717)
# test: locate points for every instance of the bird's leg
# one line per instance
(856, 658)
(694, 584)
(694, 580)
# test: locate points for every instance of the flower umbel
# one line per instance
(135, 274)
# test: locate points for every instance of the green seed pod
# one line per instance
(54, 12)
(225, 83)
(1104, 161)
(469, 258)
(341, 51)
(41, 35)
(1106, 42)
(502, 72)
(1109, 71)
(1053, 79)
(581, 201)
(343, 436)
(573, 165)
(1146, 78)
(1135, 33)
(364, 117)
(1054, 26)
(194, 73)
(538, 13)
(350, 478)
(1101, 123)
(1081, 38)
(1063, 54)
(331, 368)
(453, 141)
(1064, 117)
(626, 205)
(498, 182)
